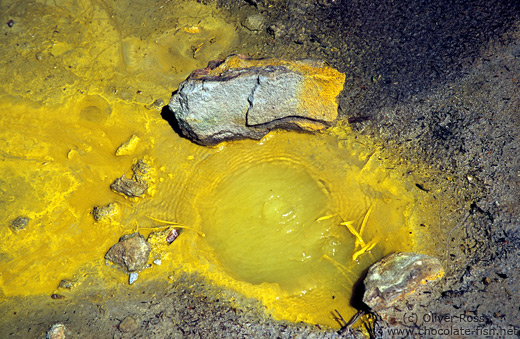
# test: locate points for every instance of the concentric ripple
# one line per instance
(262, 224)
(290, 222)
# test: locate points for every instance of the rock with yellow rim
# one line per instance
(240, 98)
(397, 276)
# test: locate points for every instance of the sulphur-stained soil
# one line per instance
(435, 81)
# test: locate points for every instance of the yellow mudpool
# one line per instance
(292, 220)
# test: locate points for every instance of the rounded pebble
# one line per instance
(128, 325)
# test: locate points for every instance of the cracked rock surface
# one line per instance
(245, 98)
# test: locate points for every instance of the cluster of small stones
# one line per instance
(132, 251)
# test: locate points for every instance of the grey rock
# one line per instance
(129, 187)
(19, 223)
(254, 22)
(140, 169)
(66, 283)
(397, 276)
(128, 325)
(105, 212)
(245, 98)
(130, 253)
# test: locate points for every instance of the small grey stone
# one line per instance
(128, 325)
(159, 103)
(19, 223)
(66, 283)
(140, 169)
(130, 253)
(129, 187)
(132, 278)
(254, 22)
(104, 212)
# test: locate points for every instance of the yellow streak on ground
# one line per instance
(326, 217)
(355, 233)
(363, 250)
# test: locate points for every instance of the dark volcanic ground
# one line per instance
(437, 81)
